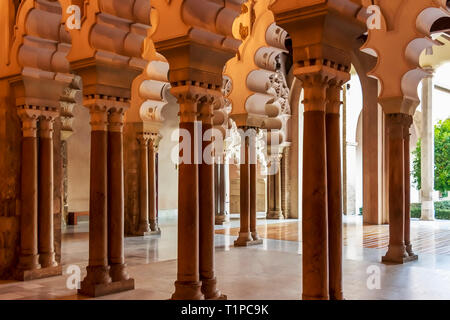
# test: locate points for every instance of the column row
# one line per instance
(37, 253)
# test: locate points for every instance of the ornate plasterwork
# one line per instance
(253, 70)
(398, 47)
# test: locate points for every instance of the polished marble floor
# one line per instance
(268, 271)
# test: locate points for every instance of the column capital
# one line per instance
(143, 139)
(115, 120)
(396, 123)
(188, 98)
(47, 119)
(101, 106)
(155, 138)
(29, 115)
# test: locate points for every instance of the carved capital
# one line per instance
(155, 138)
(396, 124)
(115, 120)
(143, 139)
(47, 119)
(29, 116)
(188, 97)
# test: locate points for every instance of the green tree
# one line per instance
(441, 158)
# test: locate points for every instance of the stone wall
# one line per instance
(10, 139)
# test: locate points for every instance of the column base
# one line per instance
(337, 296)
(275, 215)
(398, 255)
(188, 290)
(209, 290)
(306, 297)
(255, 236)
(221, 219)
(102, 289)
(47, 260)
(143, 228)
(27, 275)
(410, 252)
(246, 240)
(152, 233)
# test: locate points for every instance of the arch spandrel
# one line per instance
(399, 48)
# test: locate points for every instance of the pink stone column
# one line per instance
(315, 209)
(29, 258)
(116, 257)
(407, 124)
(188, 285)
(46, 238)
(253, 211)
(152, 183)
(207, 209)
(144, 226)
(334, 191)
(98, 269)
(244, 234)
(396, 152)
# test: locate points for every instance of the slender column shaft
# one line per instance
(116, 257)
(315, 224)
(46, 246)
(98, 269)
(253, 223)
(396, 251)
(334, 192)
(207, 210)
(408, 245)
(144, 225)
(244, 233)
(188, 284)
(427, 150)
(29, 258)
(153, 211)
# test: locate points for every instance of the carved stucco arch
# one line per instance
(398, 48)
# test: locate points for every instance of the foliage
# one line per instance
(441, 158)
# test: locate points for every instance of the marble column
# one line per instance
(253, 211)
(274, 196)
(46, 237)
(334, 190)
(152, 184)
(315, 224)
(116, 197)
(188, 285)
(144, 225)
(396, 152)
(223, 185)
(427, 150)
(98, 269)
(245, 237)
(407, 165)
(29, 257)
(206, 209)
